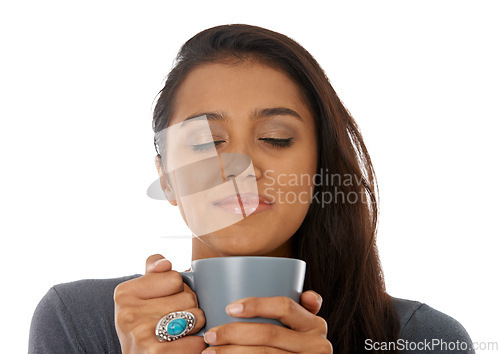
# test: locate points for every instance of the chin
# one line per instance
(246, 245)
(250, 237)
(235, 246)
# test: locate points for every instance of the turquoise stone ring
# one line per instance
(174, 326)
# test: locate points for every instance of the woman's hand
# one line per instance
(307, 332)
(140, 303)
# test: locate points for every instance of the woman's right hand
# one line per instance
(140, 303)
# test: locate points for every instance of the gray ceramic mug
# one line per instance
(220, 281)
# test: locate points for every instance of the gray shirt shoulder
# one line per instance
(76, 317)
(426, 330)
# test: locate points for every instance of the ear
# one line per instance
(164, 182)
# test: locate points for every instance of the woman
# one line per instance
(266, 97)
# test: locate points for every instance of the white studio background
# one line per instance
(77, 84)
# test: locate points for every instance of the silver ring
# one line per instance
(174, 326)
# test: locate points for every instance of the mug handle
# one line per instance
(188, 278)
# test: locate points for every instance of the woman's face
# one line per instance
(264, 115)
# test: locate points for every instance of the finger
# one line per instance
(185, 345)
(236, 349)
(282, 308)
(157, 263)
(262, 334)
(312, 301)
(149, 286)
(188, 290)
(141, 326)
(188, 344)
(147, 329)
(162, 305)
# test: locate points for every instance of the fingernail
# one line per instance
(208, 351)
(210, 337)
(159, 261)
(320, 299)
(234, 309)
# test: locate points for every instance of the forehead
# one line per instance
(238, 88)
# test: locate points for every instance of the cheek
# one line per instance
(293, 190)
(297, 172)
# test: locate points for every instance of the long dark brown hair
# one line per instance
(336, 239)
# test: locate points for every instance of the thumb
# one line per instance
(157, 264)
(311, 301)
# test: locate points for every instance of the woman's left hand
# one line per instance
(306, 333)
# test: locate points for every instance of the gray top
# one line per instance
(78, 317)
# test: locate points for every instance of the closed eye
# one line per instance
(207, 146)
(274, 142)
(278, 143)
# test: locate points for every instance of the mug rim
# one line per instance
(222, 259)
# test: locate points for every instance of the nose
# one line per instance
(235, 164)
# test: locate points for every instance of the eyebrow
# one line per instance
(257, 114)
(278, 111)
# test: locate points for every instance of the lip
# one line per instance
(249, 203)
